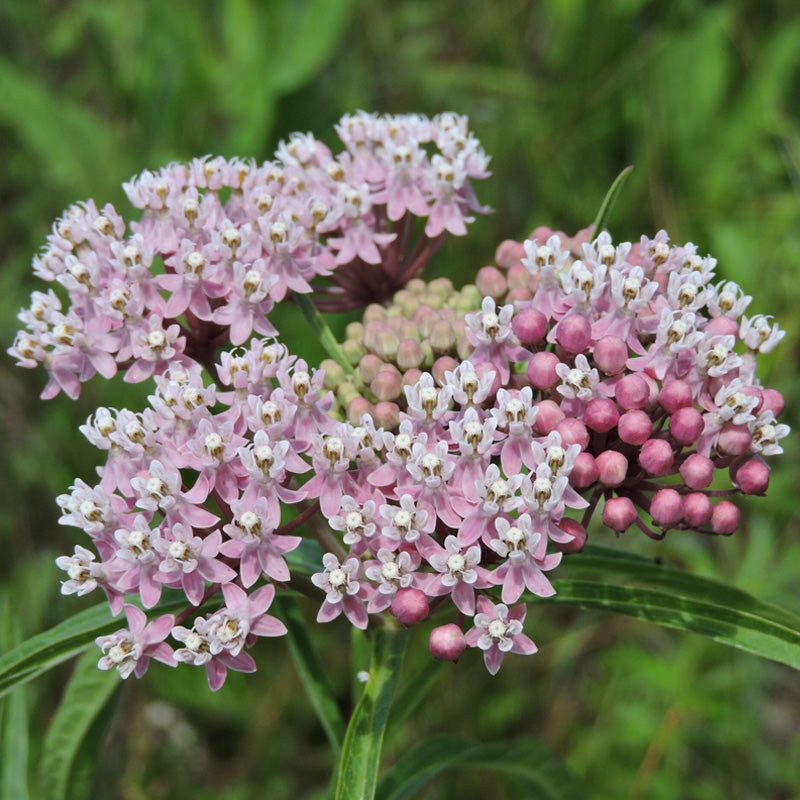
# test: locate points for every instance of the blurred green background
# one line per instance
(704, 98)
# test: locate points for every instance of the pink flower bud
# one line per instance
(519, 294)
(584, 471)
(410, 606)
(697, 471)
(550, 414)
(442, 365)
(447, 642)
(752, 477)
(686, 425)
(666, 508)
(368, 367)
(356, 409)
(573, 431)
(386, 415)
(656, 456)
(619, 513)
(674, 395)
(772, 400)
(409, 354)
(509, 252)
(635, 427)
(696, 509)
(734, 440)
(542, 370)
(387, 384)
(442, 336)
(574, 333)
(722, 326)
(411, 376)
(517, 277)
(632, 391)
(725, 518)
(491, 282)
(610, 355)
(601, 414)
(529, 326)
(612, 466)
(578, 533)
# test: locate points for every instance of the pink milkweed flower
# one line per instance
(343, 591)
(459, 573)
(497, 631)
(130, 650)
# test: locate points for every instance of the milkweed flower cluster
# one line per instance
(575, 375)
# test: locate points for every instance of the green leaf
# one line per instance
(311, 672)
(357, 774)
(677, 599)
(45, 650)
(608, 201)
(86, 694)
(323, 332)
(414, 692)
(527, 760)
(13, 724)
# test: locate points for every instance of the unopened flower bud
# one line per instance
(632, 391)
(619, 513)
(334, 373)
(548, 417)
(368, 368)
(697, 509)
(517, 277)
(353, 350)
(635, 427)
(752, 477)
(519, 294)
(374, 312)
(697, 471)
(612, 466)
(666, 508)
(442, 365)
(686, 425)
(573, 431)
(410, 606)
(447, 642)
(491, 282)
(354, 330)
(601, 414)
(542, 370)
(610, 355)
(409, 354)
(578, 533)
(725, 518)
(411, 376)
(387, 384)
(574, 333)
(584, 471)
(772, 400)
(529, 326)
(721, 326)
(441, 287)
(386, 415)
(675, 394)
(656, 456)
(356, 409)
(509, 253)
(734, 440)
(442, 337)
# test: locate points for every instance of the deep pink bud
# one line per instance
(573, 431)
(674, 395)
(612, 467)
(410, 606)
(574, 333)
(722, 326)
(772, 400)
(447, 642)
(697, 471)
(550, 414)
(666, 508)
(632, 391)
(542, 370)
(509, 252)
(656, 456)
(686, 425)
(442, 365)
(584, 472)
(652, 391)
(734, 440)
(725, 518)
(601, 414)
(619, 513)
(578, 533)
(491, 282)
(610, 355)
(529, 326)
(752, 476)
(386, 415)
(697, 509)
(635, 427)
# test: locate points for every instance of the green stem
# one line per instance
(357, 774)
(609, 200)
(325, 334)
